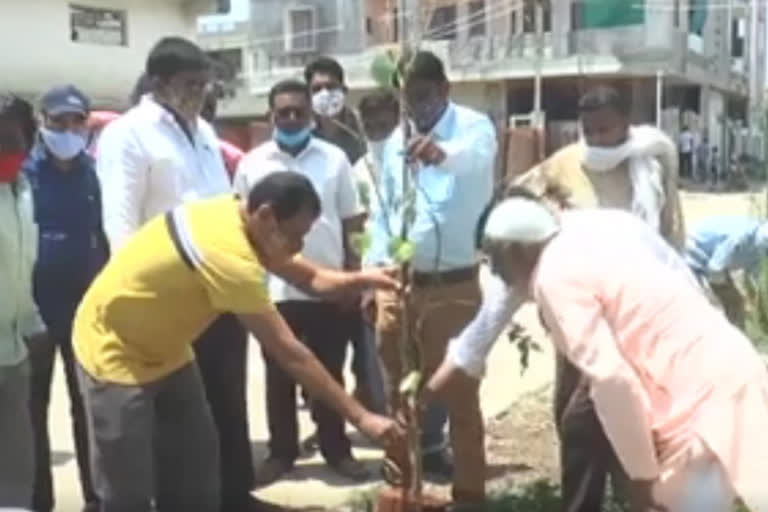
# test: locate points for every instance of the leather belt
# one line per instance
(455, 276)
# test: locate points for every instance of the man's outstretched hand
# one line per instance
(382, 430)
(378, 278)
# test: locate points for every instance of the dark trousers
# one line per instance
(153, 441)
(319, 325)
(42, 355)
(586, 454)
(221, 354)
(16, 439)
(686, 165)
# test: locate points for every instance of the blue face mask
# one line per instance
(292, 139)
(63, 145)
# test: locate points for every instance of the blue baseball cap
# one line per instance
(65, 99)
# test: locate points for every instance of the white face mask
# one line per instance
(63, 145)
(328, 103)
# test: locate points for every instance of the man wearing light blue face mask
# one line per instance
(72, 248)
(320, 324)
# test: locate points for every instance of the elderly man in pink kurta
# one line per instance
(681, 393)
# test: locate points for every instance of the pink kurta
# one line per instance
(667, 370)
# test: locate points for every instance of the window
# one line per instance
(529, 17)
(368, 25)
(476, 19)
(300, 29)
(228, 64)
(89, 25)
(738, 35)
(514, 27)
(443, 23)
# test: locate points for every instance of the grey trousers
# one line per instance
(154, 442)
(17, 455)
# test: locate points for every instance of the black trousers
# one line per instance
(686, 165)
(321, 326)
(222, 357)
(42, 356)
(586, 454)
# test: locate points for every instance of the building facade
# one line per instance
(99, 45)
(696, 62)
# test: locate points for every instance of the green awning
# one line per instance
(697, 17)
(611, 13)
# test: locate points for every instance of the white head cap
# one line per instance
(521, 220)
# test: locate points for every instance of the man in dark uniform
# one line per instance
(72, 249)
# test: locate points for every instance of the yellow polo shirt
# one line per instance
(138, 320)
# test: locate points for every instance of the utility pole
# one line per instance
(659, 97)
(538, 117)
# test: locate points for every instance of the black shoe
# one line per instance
(270, 471)
(438, 466)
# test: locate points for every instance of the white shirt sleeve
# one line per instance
(123, 171)
(346, 193)
(470, 349)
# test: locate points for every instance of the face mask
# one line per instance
(63, 145)
(10, 166)
(292, 139)
(427, 115)
(328, 103)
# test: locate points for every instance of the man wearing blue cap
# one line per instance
(72, 248)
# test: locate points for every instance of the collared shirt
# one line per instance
(148, 165)
(724, 243)
(327, 167)
(72, 247)
(156, 296)
(625, 309)
(449, 197)
(18, 250)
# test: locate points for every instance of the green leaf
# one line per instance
(361, 242)
(404, 253)
(410, 384)
(400, 250)
(384, 69)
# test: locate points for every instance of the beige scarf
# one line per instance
(641, 150)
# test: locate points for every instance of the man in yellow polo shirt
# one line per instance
(152, 434)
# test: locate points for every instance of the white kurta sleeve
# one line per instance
(470, 349)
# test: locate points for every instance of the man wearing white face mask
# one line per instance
(319, 323)
(336, 123)
(72, 248)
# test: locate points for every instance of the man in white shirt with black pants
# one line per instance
(161, 154)
(319, 324)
